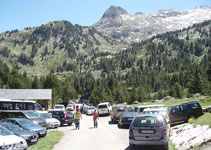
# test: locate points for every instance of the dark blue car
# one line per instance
(126, 119)
(30, 137)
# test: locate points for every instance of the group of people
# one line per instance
(78, 116)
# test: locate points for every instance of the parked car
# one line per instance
(126, 119)
(51, 122)
(10, 141)
(184, 111)
(149, 130)
(59, 107)
(117, 111)
(104, 108)
(65, 117)
(90, 110)
(27, 124)
(70, 107)
(140, 109)
(30, 137)
(161, 111)
(130, 109)
(28, 114)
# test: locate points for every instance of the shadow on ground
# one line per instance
(145, 148)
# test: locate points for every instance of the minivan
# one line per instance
(117, 111)
(104, 108)
(184, 111)
(149, 130)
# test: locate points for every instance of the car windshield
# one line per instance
(11, 126)
(161, 112)
(91, 108)
(59, 107)
(4, 131)
(129, 114)
(45, 115)
(32, 115)
(26, 123)
(146, 121)
(102, 106)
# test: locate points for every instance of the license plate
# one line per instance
(130, 118)
(34, 140)
(147, 131)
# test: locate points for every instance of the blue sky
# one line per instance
(18, 14)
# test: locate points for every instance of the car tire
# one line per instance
(69, 124)
(132, 146)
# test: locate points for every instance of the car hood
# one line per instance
(10, 139)
(34, 128)
(23, 133)
(52, 120)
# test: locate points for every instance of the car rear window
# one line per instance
(102, 106)
(146, 121)
(121, 109)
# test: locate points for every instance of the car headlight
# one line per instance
(25, 137)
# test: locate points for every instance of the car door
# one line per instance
(174, 114)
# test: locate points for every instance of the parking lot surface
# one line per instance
(106, 137)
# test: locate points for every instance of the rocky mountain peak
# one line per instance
(205, 7)
(113, 12)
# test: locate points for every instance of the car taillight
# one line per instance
(155, 131)
(131, 134)
(164, 133)
(147, 116)
(122, 119)
(65, 115)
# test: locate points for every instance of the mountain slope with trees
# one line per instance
(175, 63)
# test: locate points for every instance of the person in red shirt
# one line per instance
(95, 117)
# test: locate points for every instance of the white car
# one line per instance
(51, 122)
(90, 110)
(9, 141)
(59, 107)
(70, 107)
(104, 108)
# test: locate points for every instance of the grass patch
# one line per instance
(171, 146)
(48, 141)
(203, 120)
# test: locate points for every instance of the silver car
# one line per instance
(149, 130)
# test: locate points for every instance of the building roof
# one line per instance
(26, 94)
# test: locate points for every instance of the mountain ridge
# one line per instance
(134, 28)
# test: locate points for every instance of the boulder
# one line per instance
(188, 136)
(196, 95)
(206, 109)
(168, 98)
(136, 102)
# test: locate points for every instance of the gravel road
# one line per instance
(105, 137)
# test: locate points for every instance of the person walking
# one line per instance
(95, 117)
(77, 117)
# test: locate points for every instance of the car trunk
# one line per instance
(148, 133)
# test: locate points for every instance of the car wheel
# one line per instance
(69, 124)
(132, 146)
